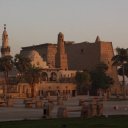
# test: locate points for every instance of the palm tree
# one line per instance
(22, 64)
(120, 70)
(33, 76)
(100, 79)
(6, 64)
(83, 81)
(121, 59)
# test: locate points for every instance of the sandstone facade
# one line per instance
(77, 56)
(61, 56)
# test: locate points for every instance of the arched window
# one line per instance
(53, 76)
(44, 76)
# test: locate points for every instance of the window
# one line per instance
(82, 50)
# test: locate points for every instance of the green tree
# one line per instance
(22, 64)
(6, 65)
(83, 81)
(100, 79)
(33, 76)
(121, 60)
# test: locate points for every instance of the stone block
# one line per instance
(10, 103)
(62, 112)
(39, 104)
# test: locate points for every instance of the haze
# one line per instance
(31, 22)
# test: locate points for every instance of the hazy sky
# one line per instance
(32, 22)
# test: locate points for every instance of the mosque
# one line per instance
(60, 62)
(55, 80)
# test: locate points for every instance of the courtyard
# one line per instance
(67, 108)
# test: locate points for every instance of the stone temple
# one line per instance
(59, 63)
(68, 55)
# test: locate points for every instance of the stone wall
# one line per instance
(82, 56)
(45, 87)
(47, 52)
(106, 54)
(51, 53)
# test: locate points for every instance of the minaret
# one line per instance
(61, 56)
(5, 49)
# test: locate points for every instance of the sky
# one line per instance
(33, 22)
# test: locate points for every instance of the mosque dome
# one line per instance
(32, 54)
(36, 59)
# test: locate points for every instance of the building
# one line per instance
(77, 56)
(36, 59)
(54, 81)
(61, 61)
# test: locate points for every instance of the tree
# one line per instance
(120, 70)
(6, 64)
(83, 81)
(22, 64)
(121, 60)
(102, 67)
(100, 79)
(33, 76)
